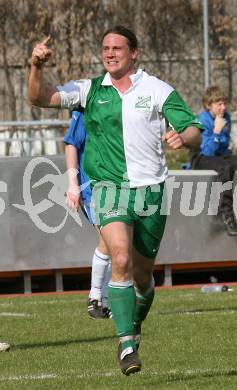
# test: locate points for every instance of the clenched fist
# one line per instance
(173, 139)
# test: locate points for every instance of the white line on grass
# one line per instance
(28, 377)
(219, 311)
(53, 301)
(115, 372)
(6, 314)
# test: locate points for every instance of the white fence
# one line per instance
(45, 137)
(32, 138)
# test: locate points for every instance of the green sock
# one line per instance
(143, 304)
(122, 301)
(129, 343)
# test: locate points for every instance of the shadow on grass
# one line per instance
(62, 342)
(197, 311)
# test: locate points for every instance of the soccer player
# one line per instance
(125, 161)
(75, 139)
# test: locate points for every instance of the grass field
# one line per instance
(189, 342)
(175, 158)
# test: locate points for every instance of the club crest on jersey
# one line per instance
(143, 103)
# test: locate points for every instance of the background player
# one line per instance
(101, 265)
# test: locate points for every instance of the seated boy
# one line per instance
(215, 152)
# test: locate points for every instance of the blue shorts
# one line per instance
(89, 213)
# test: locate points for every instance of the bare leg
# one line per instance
(142, 270)
(118, 237)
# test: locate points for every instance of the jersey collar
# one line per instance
(134, 78)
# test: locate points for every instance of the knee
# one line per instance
(121, 260)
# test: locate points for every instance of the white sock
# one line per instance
(99, 269)
(106, 280)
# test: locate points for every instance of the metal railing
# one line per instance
(30, 138)
(40, 137)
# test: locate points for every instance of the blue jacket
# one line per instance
(76, 136)
(214, 144)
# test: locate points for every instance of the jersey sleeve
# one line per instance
(179, 114)
(74, 93)
(76, 134)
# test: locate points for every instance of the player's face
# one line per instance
(218, 108)
(118, 58)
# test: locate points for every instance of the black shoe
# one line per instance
(95, 310)
(130, 363)
(230, 224)
(107, 312)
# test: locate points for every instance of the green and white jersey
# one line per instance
(125, 130)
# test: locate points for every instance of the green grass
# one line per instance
(189, 342)
(175, 158)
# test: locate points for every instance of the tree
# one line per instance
(223, 28)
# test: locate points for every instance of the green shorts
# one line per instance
(139, 207)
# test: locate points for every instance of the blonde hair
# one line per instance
(212, 95)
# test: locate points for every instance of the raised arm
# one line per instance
(41, 93)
